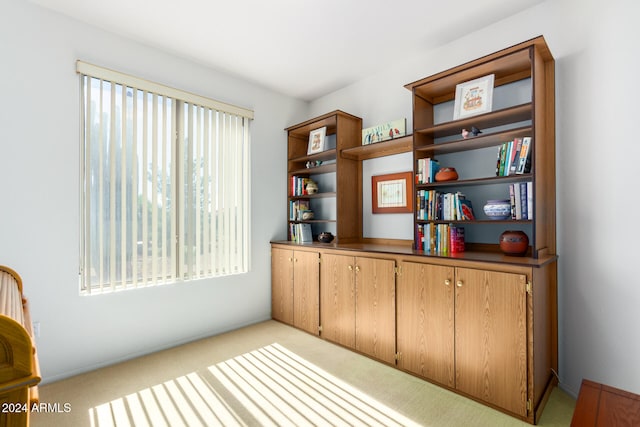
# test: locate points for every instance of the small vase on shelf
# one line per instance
(514, 242)
(498, 209)
(446, 174)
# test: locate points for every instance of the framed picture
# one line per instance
(391, 193)
(384, 131)
(316, 140)
(474, 97)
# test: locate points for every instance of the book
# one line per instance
(523, 201)
(503, 157)
(524, 159)
(296, 207)
(304, 233)
(530, 200)
(507, 159)
(517, 144)
(518, 206)
(456, 243)
(512, 199)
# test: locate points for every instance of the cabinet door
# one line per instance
(375, 308)
(306, 292)
(337, 299)
(491, 337)
(426, 321)
(282, 285)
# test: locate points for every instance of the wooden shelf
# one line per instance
(315, 196)
(502, 117)
(475, 143)
(346, 130)
(479, 181)
(379, 149)
(508, 65)
(313, 221)
(476, 221)
(314, 170)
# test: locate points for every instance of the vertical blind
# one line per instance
(165, 183)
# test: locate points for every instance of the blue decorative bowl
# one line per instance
(498, 209)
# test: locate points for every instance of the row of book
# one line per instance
(521, 197)
(440, 238)
(296, 208)
(514, 157)
(299, 185)
(435, 205)
(300, 233)
(427, 169)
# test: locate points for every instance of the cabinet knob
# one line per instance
(357, 268)
(447, 282)
(295, 260)
(351, 268)
(459, 283)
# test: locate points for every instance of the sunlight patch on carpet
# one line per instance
(185, 401)
(280, 388)
(270, 386)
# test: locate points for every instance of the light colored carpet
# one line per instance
(261, 375)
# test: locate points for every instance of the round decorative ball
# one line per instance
(311, 187)
(446, 174)
(514, 242)
(497, 209)
(325, 237)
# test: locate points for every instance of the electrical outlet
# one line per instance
(36, 329)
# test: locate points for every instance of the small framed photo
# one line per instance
(316, 140)
(474, 97)
(392, 193)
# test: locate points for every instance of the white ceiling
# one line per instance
(301, 48)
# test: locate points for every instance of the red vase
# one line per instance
(514, 242)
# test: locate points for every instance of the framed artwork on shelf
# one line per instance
(384, 131)
(474, 97)
(391, 193)
(316, 140)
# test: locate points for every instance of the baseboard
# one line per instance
(151, 350)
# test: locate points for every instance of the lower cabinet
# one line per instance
(469, 326)
(295, 288)
(426, 321)
(491, 337)
(357, 300)
(472, 330)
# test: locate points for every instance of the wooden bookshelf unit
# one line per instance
(478, 322)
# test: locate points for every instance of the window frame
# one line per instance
(183, 132)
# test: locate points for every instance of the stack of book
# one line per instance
(298, 185)
(514, 157)
(441, 239)
(427, 169)
(296, 207)
(521, 196)
(433, 205)
(300, 233)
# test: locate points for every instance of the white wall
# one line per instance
(39, 169)
(597, 110)
(594, 44)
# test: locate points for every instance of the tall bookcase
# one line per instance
(493, 317)
(337, 206)
(523, 105)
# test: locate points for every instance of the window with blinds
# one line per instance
(165, 184)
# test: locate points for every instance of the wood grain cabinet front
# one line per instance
(472, 330)
(295, 291)
(358, 304)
